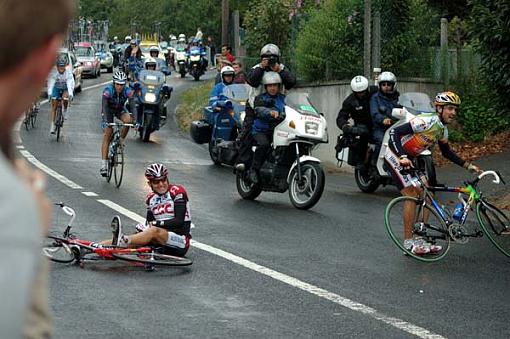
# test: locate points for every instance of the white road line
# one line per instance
(49, 171)
(312, 289)
(286, 279)
(20, 146)
(89, 194)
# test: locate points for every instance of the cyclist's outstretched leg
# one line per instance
(127, 119)
(65, 98)
(107, 135)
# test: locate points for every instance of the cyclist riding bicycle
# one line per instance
(60, 86)
(409, 140)
(116, 97)
(168, 220)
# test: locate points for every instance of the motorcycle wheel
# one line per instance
(214, 154)
(146, 129)
(365, 182)
(246, 190)
(305, 194)
(425, 162)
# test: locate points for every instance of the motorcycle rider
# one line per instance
(60, 86)
(381, 105)
(216, 96)
(160, 63)
(168, 221)
(150, 64)
(409, 140)
(269, 110)
(269, 62)
(357, 107)
(115, 97)
(197, 44)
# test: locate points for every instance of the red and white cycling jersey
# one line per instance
(162, 206)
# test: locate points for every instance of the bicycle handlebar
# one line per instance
(119, 124)
(69, 211)
(495, 174)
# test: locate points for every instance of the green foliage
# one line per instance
(489, 27)
(267, 21)
(478, 117)
(329, 45)
(192, 103)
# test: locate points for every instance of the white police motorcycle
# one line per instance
(290, 165)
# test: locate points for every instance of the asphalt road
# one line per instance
(262, 269)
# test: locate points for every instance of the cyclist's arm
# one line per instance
(395, 134)
(447, 152)
(104, 105)
(51, 83)
(70, 83)
(177, 221)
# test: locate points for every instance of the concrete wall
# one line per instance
(328, 98)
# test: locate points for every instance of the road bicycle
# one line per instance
(31, 115)
(433, 223)
(116, 154)
(59, 116)
(68, 248)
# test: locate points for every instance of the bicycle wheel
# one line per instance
(426, 224)
(33, 117)
(26, 121)
(154, 259)
(118, 168)
(58, 251)
(495, 224)
(58, 120)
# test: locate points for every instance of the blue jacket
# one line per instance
(264, 104)
(380, 108)
(217, 95)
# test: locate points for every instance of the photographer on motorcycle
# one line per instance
(357, 107)
(269, 62)
(269, 110)
(381, 105)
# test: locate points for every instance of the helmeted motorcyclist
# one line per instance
(160, 63)
(269, 62)
(269, 110)
(197, 44)
(357, 107)
(216, 96)
(381, 106)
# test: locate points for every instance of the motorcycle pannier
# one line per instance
(200, 131)
(227, 152)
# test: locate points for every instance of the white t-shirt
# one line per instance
(20, 234)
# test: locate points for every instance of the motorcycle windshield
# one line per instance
(151, 78)
(237, 92)
(301, 103)
(417, 103)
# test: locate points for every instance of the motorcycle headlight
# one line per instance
(150, 97)
(311, 128)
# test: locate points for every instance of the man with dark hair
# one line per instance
(226, 52)
(25, 210)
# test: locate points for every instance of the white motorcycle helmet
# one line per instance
(270, 49)
(271, 78)
(182, 40)
(359, 83)
(153, 49)
(128, 38)
(182, 36)
(150, 62)
(227, 70)
(388, 77)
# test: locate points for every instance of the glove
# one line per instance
(472, 168)
(142, 227)
(104, 124)
(347, 129)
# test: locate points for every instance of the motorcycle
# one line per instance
(196, 62)
(290, 165)
(154, 93)
(370, 177)
(180, 61)
(219, 128)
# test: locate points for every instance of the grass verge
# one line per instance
(192, 104)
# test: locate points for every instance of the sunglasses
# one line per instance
(386, 83)
(157, 181)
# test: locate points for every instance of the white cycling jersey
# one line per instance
(61, 81)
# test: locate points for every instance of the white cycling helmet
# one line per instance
(270, 49)
(388, 77)
(150, 62)
(270, 78)
(359, 83)
(119, 78)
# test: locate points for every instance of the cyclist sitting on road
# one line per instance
(115, 97)
(168, 219)
(269, 110)
(409, 140)
(60, 86)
